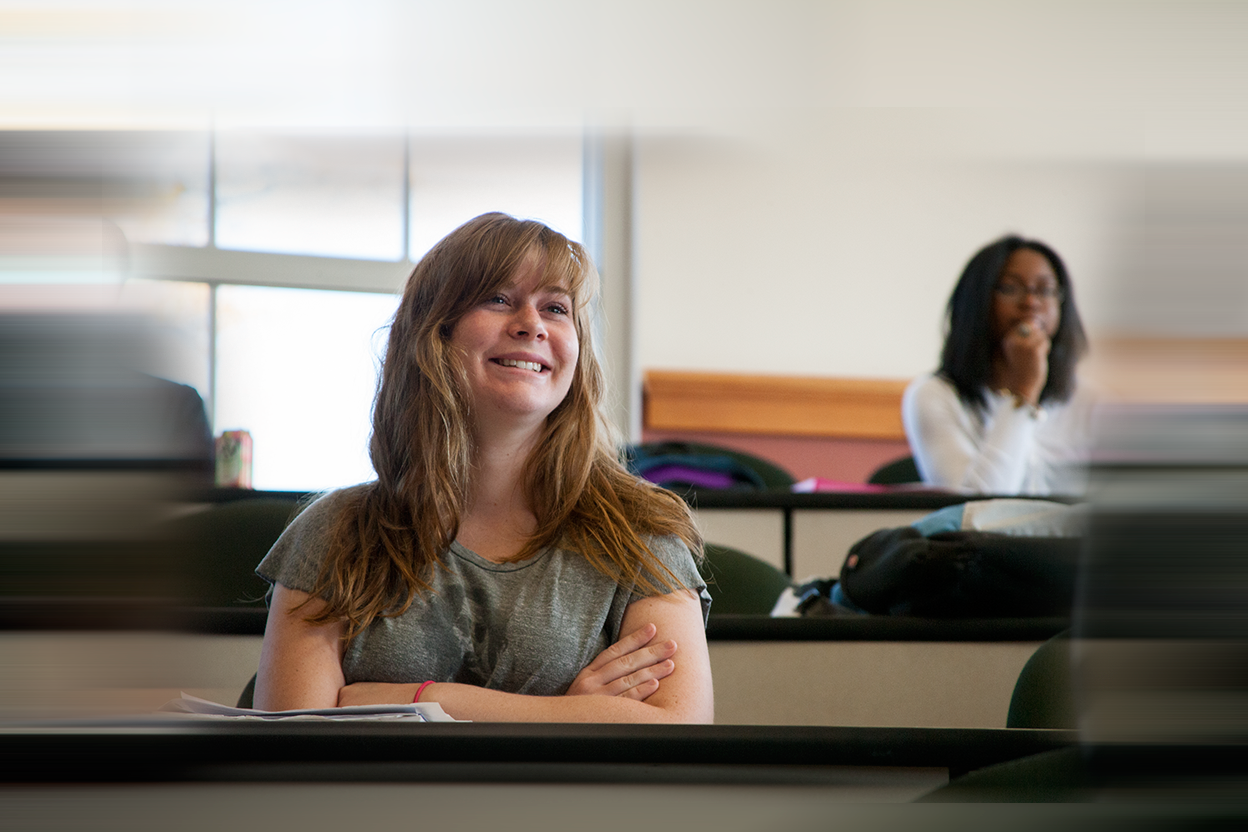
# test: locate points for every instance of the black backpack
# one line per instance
(969, 574)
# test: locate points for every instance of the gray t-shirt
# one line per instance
(525, 627)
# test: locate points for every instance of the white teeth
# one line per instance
(523, 365)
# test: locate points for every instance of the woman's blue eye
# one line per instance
(558, 308)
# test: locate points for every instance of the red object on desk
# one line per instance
(812, 484)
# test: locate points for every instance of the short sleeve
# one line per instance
(675, 555)
(295, 559)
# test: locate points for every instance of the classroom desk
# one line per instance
(474, 775)
(806, 534)
(156, 749)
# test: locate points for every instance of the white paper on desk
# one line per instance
(419, 712)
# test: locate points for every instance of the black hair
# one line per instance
(966, 359)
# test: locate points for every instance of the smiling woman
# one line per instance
(504, 564)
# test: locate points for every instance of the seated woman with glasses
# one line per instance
(1004, 413)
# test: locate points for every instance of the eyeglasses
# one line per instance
(1016, 291)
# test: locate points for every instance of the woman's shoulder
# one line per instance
(1080, 408)
(331, 502)
(934, 382)
(674, 554)
(929, 390)
(668, 547)
(318, 512)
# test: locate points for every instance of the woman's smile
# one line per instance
(532, 366)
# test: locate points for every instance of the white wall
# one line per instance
(811, 174)
(826, 243)
(815, 220)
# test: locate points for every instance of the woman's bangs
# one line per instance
(564, 272)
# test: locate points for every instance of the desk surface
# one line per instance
(53, 614)
(176, 749)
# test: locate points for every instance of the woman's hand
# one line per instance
(1026, 351)
(632, 667)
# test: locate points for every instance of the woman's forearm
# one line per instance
(483, 705)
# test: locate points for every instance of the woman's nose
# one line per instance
(527, 323)
(1030, 298)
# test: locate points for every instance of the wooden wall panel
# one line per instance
(774, 405)
(1144, 369)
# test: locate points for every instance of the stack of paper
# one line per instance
(421, 712)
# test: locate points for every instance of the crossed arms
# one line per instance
(659, 671)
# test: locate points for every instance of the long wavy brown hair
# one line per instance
(392, 532)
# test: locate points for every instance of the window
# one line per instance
(297, 368)
(325, 195)
(291, 362)
(159, 185)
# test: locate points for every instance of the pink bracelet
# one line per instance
(421, 690)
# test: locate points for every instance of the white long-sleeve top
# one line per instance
(1003, 449)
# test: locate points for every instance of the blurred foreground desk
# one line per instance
(310, 776)
(151, 775)
(156, 749)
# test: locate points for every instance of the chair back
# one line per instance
(897, 472)
(247, 699)
(221, 545)
(741, 584)
(1044, 693)
(661, 462)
